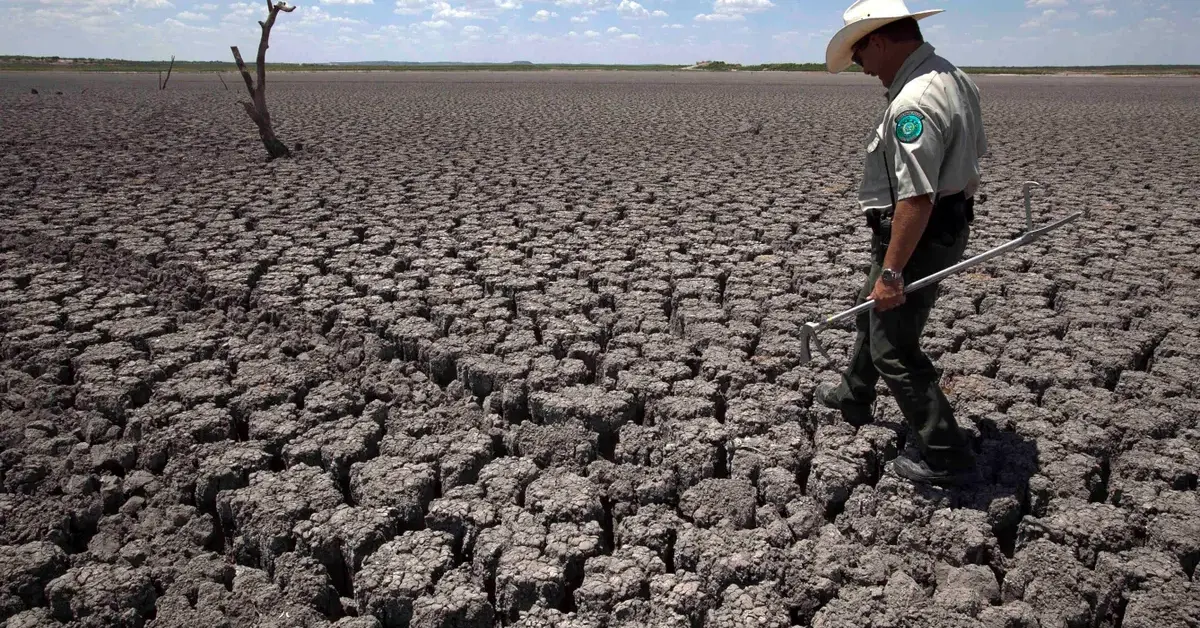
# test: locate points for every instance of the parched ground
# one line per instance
(522, 350)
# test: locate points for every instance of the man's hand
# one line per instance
(886, 295)
(908, 223)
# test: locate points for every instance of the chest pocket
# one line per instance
(875, 174)
(874, 139)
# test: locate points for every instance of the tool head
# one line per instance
(1025, 189)
(808, 333)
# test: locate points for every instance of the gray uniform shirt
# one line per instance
(931, 134)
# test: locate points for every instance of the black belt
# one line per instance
(950, 214)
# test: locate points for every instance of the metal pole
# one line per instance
(808, 333)
(1026, 238)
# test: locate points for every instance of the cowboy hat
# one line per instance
(861, 18)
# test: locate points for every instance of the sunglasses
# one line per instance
(857, 49)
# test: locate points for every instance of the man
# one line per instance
(919, 181)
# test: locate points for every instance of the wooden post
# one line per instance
(257, 107)
(164, 83)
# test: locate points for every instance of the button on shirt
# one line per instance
(931, 134)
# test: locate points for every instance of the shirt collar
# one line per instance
(909, 66)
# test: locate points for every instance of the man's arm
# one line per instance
(908, 223)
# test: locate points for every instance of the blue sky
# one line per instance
(970, 32)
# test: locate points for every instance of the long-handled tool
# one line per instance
(808, 333)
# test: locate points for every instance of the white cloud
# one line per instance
(410, 7)
(613, 30)
(719, 17)
(1045, 3)
(1102, 12)
(542, 15)
(629, 36)
(741, 6)
(444, 10)
(631, 9)
(347, 1)
(1039, 21)
(672, 25)
(192, 17)
(508, 5)
(242, 11)
(177, 25)
(590, 34)
(733, 10)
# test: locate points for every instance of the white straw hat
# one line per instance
(861, 18)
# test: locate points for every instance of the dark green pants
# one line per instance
(888, 346)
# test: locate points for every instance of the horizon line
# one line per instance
(60, 58)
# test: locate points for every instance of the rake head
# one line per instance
(808, 334)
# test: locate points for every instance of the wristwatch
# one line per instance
(891, 276)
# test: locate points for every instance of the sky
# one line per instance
(970, 32)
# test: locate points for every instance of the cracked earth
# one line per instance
(523, 350)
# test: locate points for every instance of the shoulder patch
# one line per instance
(910, 125)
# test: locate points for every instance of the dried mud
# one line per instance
(523, 350)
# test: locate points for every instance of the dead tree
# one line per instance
(161, 83)
(257, 108)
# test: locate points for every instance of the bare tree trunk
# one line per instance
(257, 108)
(169, 68)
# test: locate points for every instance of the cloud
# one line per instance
(1102, 12)
(579, 19)
(542, 15)
(719, 17)
(410, 7)
(444, 10)
(591, 34)
(177, 25)
(1045, 3)
(629, 36)
(1048, 16)
(741, 6)
(733, 10)
(347, 1)
(583, 3)
(243, 11)
(192, 17)
(613, 30)
(631, 9)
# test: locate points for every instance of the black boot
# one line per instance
(952, 473)
(854, 414)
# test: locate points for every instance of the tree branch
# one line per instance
(242, 68)
(266, 34)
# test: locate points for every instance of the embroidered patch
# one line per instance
(909, 126)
